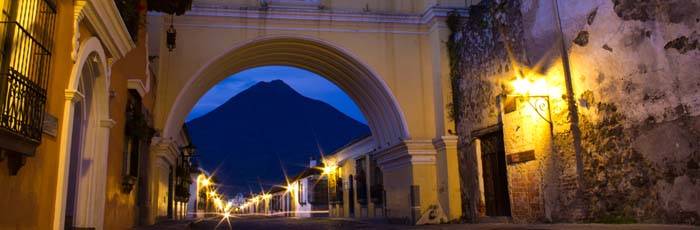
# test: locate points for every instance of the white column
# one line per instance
(71, 97)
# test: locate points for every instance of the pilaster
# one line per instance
(409, 178)
(448, 176)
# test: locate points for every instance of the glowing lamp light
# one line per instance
(291, 187)
(203, 180)
(329, 169)
(218, 203)
(522, 86)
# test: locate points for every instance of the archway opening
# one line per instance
(362, 85)
(278, 117)
(82, 163)
(84, 156)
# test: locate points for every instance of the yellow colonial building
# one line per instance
(77, 94)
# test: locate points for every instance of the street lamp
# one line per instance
(329, 169)
(202, 182)
(527, 88)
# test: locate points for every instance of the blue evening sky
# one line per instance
(306, 83)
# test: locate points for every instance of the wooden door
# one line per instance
(493, 159)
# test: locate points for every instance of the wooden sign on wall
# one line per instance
(520, 157)
(50, 125)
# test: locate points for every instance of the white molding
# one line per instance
(354, 150)
(91, 192)
(284, 28)
(107, 123)
(88, 47)
(409, 20)
(283, 13)
(73, 95)
(137, 84)
(407, 153)
(108, 25)
(165, 148)
(78, 15)
(445, 142)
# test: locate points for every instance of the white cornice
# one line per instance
(105, 19)
(409, 152)
(139, 86)
(322, 15)
(165, 148)
(107, 123)
(353, 150)
(445, 142)
(73, 96)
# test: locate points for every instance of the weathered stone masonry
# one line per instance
(636, 77)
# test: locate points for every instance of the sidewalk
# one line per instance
(169, 224)
(346, 223)
(558, 227)
(503, 226)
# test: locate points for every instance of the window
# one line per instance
(26, 31)
(300, 193)
(337, 190)
(132, 141)
(319, 194)
(361, 180)
(377, 183)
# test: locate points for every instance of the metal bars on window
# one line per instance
(26, 33)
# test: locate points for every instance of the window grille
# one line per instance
(26, 37)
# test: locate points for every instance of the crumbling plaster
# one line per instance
(636, 82)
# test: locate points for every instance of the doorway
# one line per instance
(81, 145)
(75, 156)
(351, 196)
(170, 192)
(495, 177)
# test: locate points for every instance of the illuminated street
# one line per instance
(290, 223)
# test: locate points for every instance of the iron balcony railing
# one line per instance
(26, 32)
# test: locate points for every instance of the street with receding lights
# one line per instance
(292, 223)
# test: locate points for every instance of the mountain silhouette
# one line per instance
(248, 140)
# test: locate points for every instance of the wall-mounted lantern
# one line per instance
(171, 34)
(525, 89)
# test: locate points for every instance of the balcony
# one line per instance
(26, 41)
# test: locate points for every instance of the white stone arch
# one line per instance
(91, 184)
(364, 86)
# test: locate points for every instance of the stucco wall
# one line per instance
(634, 76)
(32, 191)
(636, 83)
(121, 209)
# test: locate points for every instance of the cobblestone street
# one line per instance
(331, 223)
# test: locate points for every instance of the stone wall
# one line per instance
(635, 75)
(481, 48)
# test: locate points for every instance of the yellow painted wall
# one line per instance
(396, 52)
(28, 198)
(425, 176)
(121, 209)
(398, 199)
